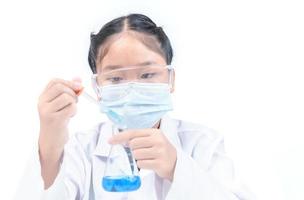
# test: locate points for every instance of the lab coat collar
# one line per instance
(168, 126)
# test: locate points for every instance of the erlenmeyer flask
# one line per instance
(121, 172)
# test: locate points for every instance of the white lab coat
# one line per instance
(202, 171)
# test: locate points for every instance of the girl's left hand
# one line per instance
(151, 149)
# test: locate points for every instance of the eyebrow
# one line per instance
(112, 67)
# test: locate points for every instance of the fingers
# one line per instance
(129, 135)
(58, 89)
(68, 111)
(78, 81)
(147, 164)
(59, 98)
(144, 154)
(62, 101)
(72, 84)
(59, 86)
(140, 142)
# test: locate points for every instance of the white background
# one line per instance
(239, 69)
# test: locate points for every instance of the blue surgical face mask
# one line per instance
(135, 105)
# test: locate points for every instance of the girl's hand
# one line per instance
(151, 149)
(57, 104)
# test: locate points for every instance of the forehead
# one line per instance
(130, 50)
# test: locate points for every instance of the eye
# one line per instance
(115, 79)
(147, 75)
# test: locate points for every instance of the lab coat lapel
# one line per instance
(105, 133)
(169, 128)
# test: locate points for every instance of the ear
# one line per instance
(173, 82)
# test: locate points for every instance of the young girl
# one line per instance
(130, 58)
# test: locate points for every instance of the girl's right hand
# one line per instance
(57, 104)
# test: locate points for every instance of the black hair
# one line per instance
(135, 22)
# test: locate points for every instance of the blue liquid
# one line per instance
(121, 183)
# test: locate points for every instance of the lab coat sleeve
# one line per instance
(70, 183)
(31, 185)
(57, 190)
(206, 174)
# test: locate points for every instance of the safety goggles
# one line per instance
(133, 74)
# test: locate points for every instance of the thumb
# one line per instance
(77, 81)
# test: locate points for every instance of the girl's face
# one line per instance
(125, 51)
